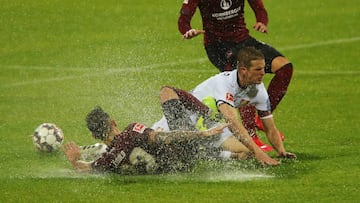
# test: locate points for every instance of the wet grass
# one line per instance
(60, 59)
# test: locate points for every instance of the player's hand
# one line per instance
(287, 155)
(192, 33)
(261, 27)
(71, 151)
(216, 129)
(265, 159)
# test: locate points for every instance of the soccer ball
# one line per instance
(48, 137)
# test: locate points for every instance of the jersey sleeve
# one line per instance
(262, 101)
(260, 12)
(224, 92)
(187, 11)
(225, 98)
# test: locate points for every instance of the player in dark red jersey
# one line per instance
(225, 32)
(149, 151)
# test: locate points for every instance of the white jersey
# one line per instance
(224, 88)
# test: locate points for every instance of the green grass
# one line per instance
(58, 59)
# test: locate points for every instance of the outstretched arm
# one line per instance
(273, 136)
(179, 135)
(233, 118)
(187, 11)
(72, 153)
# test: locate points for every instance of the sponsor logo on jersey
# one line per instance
(229, 97)
(225, 4)
(229, 54)
(227, 14)
(139, 128)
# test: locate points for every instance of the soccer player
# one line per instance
(225, 33)
(148, 150)
(230, 90)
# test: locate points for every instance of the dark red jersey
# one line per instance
(119, 150)
(223, 20)
(175, 156)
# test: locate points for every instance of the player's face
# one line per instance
(256, 72)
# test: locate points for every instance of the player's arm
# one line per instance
(187, 11)
(72, 153)
(233, 118)
(180, 135)
(273, 136)
(261, 15)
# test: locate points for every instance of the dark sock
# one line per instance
(176, 115)
(279, 84)
(191, 103)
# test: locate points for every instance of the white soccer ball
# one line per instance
(48, 137)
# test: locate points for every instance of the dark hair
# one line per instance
(248, 54)
(98, 122)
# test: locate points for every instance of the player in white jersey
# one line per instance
(224, 88)
(230, 90)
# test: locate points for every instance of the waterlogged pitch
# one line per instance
(59, 59)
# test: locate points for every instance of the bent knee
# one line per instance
(279, 62)
(167, 93)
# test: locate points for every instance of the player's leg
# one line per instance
(222, 55)
(234, 146)
(278, 85)
(174, 110)
(208, 114)
(178, 101)
(191, 103)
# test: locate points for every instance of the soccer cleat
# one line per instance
(259, 123)
(262, 146)
(92, 152)
(211, 120)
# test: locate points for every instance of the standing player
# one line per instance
(148, 150)
(225, 33)
(230, 90)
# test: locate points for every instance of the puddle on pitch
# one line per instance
(219, 176)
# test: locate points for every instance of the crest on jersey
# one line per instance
(229, 97)
(229, 54)
(225, 4)
(139, 128)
